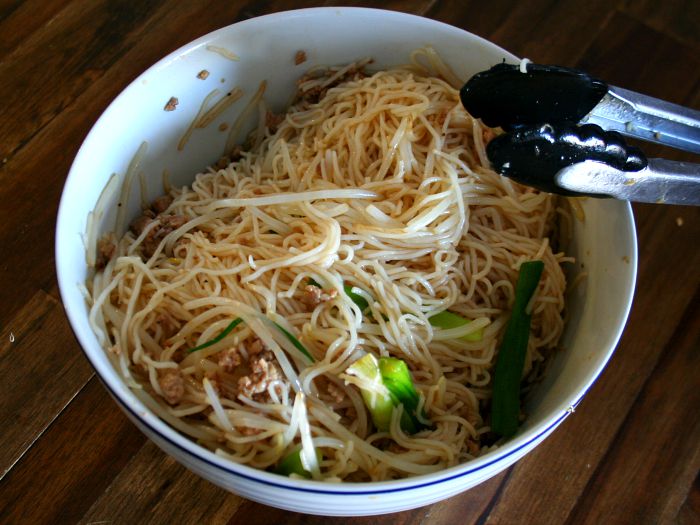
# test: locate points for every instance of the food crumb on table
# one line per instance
(203, 74)
(300, 57)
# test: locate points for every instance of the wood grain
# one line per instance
(23, 19)
(152, 485)
(689, 514)
(630, 453)
(666, 466)
(40, 372)
(57, 480)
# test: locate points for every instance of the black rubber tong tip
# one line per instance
(506, 97)
(535, 154)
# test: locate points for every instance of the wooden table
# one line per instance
(631, 452)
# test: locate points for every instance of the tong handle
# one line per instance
(647, 118)
(661, 181)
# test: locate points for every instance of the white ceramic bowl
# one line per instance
(605, 243)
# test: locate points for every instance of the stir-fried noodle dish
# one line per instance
(332, 300)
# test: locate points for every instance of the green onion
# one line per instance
(219, 337)
(297, 344)
(505, 405)
(312, 282)
(291, 464)
(446, 320)
(397, 379)
(388, 384)
(375, 394)
(360, 301)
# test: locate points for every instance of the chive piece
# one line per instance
(219, 337)
(297, 344)
(505, 405)
(291, 464)
(447, 320)
(312, 282)
(360, 301)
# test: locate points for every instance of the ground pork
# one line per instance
(273, 120)
(168, 324)
(166, 223)
(229, 359)
(336, 393)
(172, 386)
(264, 373)
(106, 248)
(161, 203)
(314, 94)
(249, 431)
(312, 295)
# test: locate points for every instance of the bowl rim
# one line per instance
(122, 394)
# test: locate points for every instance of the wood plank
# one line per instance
(634, 56)
(689, 513)
(24, 20)
(680, 19)
(480, 18)
(541, 30)
(40, 372)
(472, 506)
(59, 478)
(57, 72)
(155, 486)
(643, 479)
(416, 7)
(7, 7)
(251, 513)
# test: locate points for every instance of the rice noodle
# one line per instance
(131, 172)
(383, 185)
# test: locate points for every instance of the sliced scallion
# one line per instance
(505, 404)
(233, 324)
(375, 394)
(397, 379)
(291, 464)
(387, 383)
(297, 344)
(360, 301)
(447, 320)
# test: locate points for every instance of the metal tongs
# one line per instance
(564, 134)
